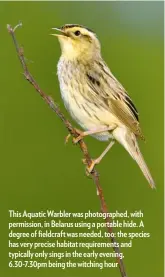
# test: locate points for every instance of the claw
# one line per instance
(87, 172)
(67, 138)
(84, 161)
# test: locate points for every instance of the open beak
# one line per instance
(59, 35)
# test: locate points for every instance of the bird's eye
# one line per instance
(77, 33)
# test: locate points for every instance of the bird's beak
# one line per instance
(63, 34)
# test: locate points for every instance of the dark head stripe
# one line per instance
(67, 26)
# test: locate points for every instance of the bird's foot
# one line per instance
(76, 140)
(89, 168)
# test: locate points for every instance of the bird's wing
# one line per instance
(106, 90)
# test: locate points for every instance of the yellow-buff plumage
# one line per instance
(94, 97)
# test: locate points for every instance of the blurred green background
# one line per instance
(37, 170)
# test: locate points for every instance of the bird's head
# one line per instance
(77, 41)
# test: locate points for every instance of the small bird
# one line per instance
(94, 97)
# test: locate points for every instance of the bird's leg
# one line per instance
(91, 132)
(98, 160)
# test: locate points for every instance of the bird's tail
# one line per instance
(128, 140)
